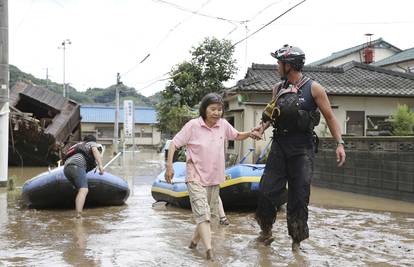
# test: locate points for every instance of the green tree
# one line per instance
(172, 118)
(108, 95)
(403, 121)
(211, 64)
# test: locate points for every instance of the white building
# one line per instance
(361, 96)
(100, 121)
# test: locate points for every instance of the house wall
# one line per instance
(378, 106)
(378, 166)
(146, 134)
(245, 120)
(249, 116)
(380, 53)
(407, 66)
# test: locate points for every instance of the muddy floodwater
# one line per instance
(345, 230)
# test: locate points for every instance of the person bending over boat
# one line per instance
(82, 158)
(204, 138)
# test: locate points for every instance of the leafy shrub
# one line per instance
(403, 121)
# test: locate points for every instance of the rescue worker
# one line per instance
(293, 112)
(82, 158)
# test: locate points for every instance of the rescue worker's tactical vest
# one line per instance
(293, 110)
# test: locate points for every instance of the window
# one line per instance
(143, 135)
(146, 135)
(373, 122)
(378, 125)
(355, 123)
(105, 132)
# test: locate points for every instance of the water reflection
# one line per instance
(143, 234)
(3, 206)
(77, 251)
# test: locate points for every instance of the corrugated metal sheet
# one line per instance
(106, 114)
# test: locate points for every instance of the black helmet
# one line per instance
(290, 54)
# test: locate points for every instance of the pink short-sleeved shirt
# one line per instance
(205, 149)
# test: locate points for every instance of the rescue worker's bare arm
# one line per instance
(98, 158)
(169, 171)
(321, 99)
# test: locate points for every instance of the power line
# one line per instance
(165, 37)
(197, 13)
(25, 15)
(267, 24)
(265, 8)
(243, 22)
(254, 16)
(343, 23)
(160, 80)
(158, 77)
(154, 82)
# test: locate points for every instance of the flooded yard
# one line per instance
(345, 230)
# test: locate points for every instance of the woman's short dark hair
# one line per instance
(208, 99)
(89, 138)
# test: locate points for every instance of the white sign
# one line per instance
(128, 118)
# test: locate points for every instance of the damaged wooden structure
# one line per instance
(41, 124)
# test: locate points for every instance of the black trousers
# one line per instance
(292, 164)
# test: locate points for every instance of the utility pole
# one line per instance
(4, 92)
(47, 78)
(63, 47)
(115, 142)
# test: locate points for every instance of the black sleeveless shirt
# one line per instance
(306, 102)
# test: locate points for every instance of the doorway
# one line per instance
(355, 123)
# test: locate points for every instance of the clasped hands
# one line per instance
(256, 133)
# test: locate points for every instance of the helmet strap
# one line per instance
(285, 73)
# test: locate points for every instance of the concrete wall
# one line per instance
(377, 166)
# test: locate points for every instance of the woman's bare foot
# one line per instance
(209, 255)
(192, 245)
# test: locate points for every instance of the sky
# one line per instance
(113, 36)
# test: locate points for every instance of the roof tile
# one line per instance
(352, 78)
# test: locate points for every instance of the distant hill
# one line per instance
(91, 96)
(155, 98)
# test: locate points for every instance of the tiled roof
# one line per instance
(405, 55)
(380, 43)
(106, 114)
(349, 79)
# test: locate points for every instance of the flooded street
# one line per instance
(345, 230)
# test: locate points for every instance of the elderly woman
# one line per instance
(204, 137)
